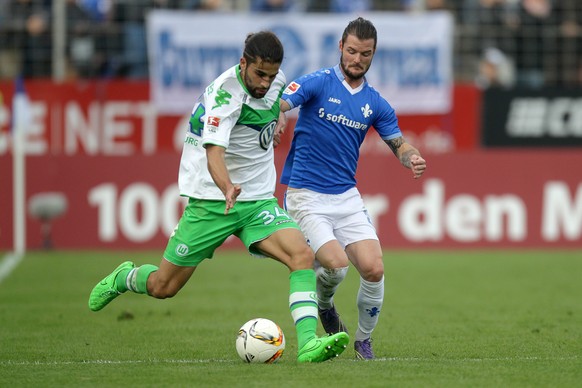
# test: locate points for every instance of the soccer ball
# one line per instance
(260, 340)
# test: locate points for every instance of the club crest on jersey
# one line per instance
(266, 134)
(366, 111)
(292, 88)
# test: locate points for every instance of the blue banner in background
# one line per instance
(412, 67)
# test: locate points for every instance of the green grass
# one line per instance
(450, 319)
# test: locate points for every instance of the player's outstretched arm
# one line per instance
(408, 156)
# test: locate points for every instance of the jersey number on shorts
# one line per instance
(269, 217)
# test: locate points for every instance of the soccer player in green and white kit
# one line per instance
(227, 171)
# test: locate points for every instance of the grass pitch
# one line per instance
(450, 319)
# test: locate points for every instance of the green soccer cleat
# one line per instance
(324, 348)
(105, 291)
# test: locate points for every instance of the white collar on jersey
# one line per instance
(341, 77)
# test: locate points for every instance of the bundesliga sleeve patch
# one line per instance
(213, 121)
(292, 88)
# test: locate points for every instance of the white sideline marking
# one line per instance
(208, 361)
(8, 264)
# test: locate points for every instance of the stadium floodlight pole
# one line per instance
(20, 116)
(59, 28)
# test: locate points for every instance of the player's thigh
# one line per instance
(289, 247)
(270, 231)
(332, 255)
(366, 256)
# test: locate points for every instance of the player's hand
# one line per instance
(279, 129)
(231, 195)
(417, 165)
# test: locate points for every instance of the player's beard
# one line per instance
(349, 74)
(257, 94)
(253, 90)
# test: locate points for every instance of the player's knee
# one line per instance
(331, 276)
(373, 273)
(337, 261)
(303, 258)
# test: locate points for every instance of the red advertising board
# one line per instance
(104, 148)
(506, 198)
(457, 130)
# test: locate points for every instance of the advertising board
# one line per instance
(106, 150)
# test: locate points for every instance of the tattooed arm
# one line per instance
(408, 156)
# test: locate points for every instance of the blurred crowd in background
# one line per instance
(505, 43)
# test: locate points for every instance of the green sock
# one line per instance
(120, 285)
(303, 304)
(135, 279)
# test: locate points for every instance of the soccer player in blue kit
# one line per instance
(337, 108)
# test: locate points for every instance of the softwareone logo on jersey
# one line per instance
(343, 120)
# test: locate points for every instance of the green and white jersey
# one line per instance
(228, 116)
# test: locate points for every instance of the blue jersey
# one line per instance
(332, 124)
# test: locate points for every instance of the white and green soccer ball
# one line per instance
(260, 340)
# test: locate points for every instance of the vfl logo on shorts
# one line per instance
(182, 250)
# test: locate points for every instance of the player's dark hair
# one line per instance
(264, 45)
(362, 29)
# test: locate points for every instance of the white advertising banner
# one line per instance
(412, 67)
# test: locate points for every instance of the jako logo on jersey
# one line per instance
(182, 250)
(335, 100)
(343, 120)
(266, 134)
(292, 88)
(366, 111)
